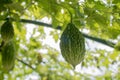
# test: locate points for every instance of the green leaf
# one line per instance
(15, 6)
(114, 55)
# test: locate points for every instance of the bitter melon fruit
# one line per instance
(7, 31)
(72, 45)
(8, 56)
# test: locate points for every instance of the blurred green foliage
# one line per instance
(101, 18)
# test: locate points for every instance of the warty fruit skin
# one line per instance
(8, 56)
(72, 45)
(7, 31)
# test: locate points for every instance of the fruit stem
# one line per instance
(70, 15)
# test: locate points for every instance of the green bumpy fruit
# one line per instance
(72, 45)
(7, 31)
(8, 56)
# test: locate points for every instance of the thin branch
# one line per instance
(103, 41)
(99, 40)
(25, 64)
(35, 22)
(28, 66)
(39, 23)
